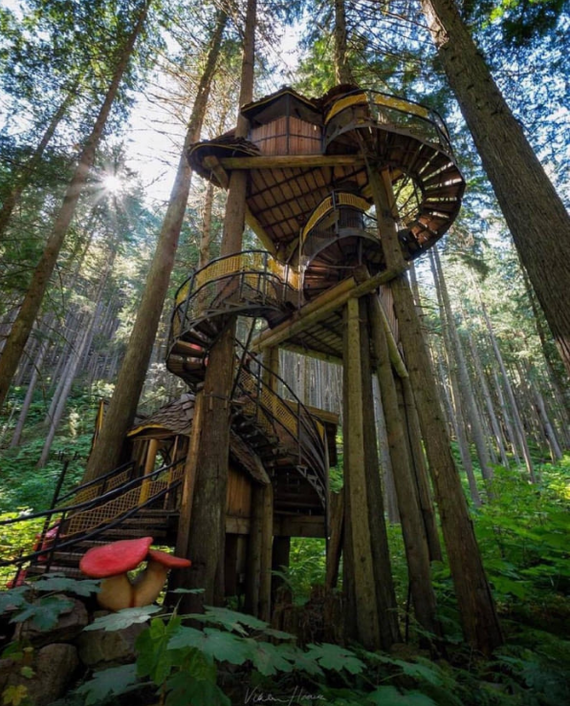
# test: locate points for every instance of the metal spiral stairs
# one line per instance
(289, 440)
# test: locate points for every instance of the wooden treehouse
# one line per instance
(327, 179)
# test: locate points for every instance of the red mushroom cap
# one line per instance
(115, 558)
(168, 560)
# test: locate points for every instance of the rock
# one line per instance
(70, 624)
(97, 646)
(52, 671)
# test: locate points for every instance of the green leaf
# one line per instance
(278, 634)
(81, 588)
(229, 619)
(154, 659)
(270, 659)
(13, 598)
(335, 658)
(44, 613)
(390, 696)
(222, 646)
(27, 672)
(123, 618)
(109, 682)
(188, 590)
(183, 689)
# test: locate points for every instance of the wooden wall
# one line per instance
(287, 135)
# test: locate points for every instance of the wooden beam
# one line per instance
(290, 162)
(321, 307)
(299, 526)
(264, 606)
(312, 353)
(334, 548)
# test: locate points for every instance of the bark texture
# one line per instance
(535, 214)
(40, 279)
(119, 417)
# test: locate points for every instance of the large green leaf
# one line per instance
(335, 658)
(45, 612)
(230, 619)
(184, 689)
(123, 618)
(154, 659)
(270, 659)
(109, 682)
(222, 646)
(84, 587)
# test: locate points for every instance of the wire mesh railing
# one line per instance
(67, 525)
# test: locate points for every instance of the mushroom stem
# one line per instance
(148, 585)
(116, 593)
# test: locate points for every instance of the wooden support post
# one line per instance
(373, 615)
(148, 468)
(413, 437)
(476, 606)
(385, 593)
(334, 547)
(264, 606)
(415, 542)
(258, 567)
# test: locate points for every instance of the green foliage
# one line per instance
(22, 603)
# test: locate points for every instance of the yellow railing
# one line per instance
(328, 204)
(398, 112)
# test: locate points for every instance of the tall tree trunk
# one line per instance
(537, 219)
(122, 409)
(23, 179)
(476, 606)
(342, 71)
(206, 516)
(413, 530)
(484, 387)
(517, 421)
(468, 396)
(40, 279)
(17, 435)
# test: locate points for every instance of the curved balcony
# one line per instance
(410, 142)
(250, 283)
(338, 237)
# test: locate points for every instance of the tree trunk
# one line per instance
(40, 279)
(122, 409)
(468, 396)
(537, 219)
(476, 607)
(518, 425)
(342, 71)
(23, 179)
(413, 530)
(484, 387)
(209, 506)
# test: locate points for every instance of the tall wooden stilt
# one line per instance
(476, 606)
(366, 555)
(413, 438)
(415, 542)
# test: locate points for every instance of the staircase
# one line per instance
(121, 505)
(289, 440)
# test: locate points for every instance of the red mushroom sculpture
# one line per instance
(111, 562)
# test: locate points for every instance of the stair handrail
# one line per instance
(100, 479)
(305, 419)
(68, 511)
(80, 537)
(406, 106)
